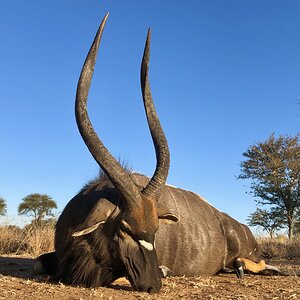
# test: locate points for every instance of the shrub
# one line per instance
(280, 247)
(30, 240)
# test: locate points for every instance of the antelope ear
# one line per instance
(165, 216)
(98, 215)
(87, 230)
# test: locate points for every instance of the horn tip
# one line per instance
(149, 34)
(105, 19)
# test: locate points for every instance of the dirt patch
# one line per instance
(18, 282)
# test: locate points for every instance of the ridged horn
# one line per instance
(112, 168)
(158, 180)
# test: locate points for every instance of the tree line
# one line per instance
(273, 169)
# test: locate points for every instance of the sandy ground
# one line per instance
(18, 282)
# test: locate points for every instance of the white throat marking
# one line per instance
(146, 245)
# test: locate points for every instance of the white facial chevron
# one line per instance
(146, 245)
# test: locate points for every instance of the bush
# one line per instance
(30, 240)
(280, 247)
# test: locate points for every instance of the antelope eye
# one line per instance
(124, 227)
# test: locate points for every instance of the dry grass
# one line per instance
(280, 247)
(31, 240)
(34, 241)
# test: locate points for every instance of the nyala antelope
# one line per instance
(125, 224)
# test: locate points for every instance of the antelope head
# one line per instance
(139, 213)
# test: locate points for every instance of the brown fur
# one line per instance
(251, 266)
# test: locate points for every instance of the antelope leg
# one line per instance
(239, 266)
(245, 264)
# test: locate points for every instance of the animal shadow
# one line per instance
(17, 267)
(22, 268)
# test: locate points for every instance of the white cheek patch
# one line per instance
(146, 245)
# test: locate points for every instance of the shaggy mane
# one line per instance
(102, 180)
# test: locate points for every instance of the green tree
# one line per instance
(273, 167)
(270, 221)
(2, 207)
(37, 206)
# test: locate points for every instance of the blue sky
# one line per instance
(224, 75)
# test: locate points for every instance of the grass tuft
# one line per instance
(280, 247)
(31, 240)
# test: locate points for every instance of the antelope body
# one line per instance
(204, 241)
(125, 224)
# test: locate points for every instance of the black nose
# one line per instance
(155, 289)
(151, 290)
